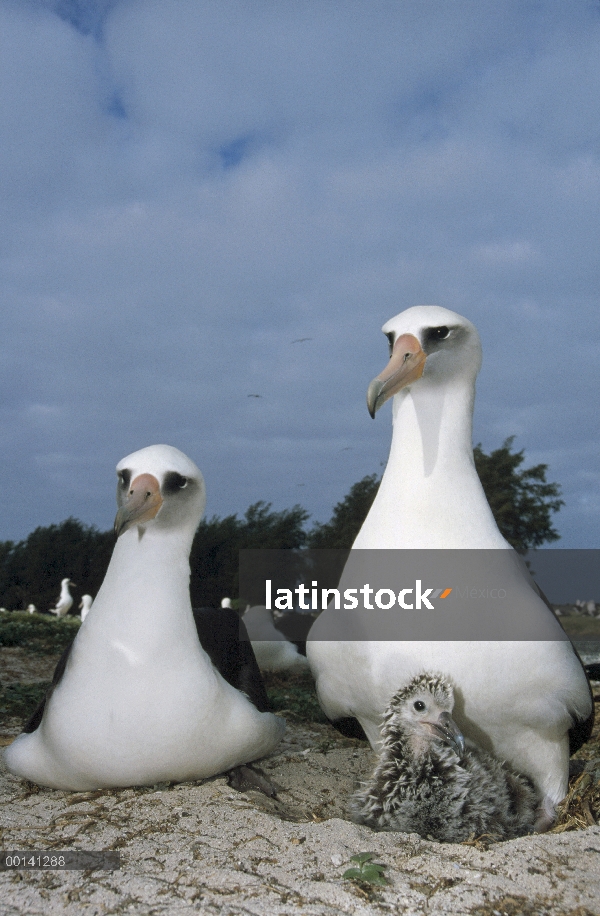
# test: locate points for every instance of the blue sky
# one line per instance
(187, 188)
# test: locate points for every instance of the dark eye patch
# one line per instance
(432, 335)
(174, 482)
(125, 478)
(390, 337)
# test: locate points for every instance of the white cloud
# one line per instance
(506, 253)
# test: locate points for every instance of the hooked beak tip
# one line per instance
(449, 731)
(373, 392)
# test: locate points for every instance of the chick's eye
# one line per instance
(419, 705)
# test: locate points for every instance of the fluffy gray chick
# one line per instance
(428, 782)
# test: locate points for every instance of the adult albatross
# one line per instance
(518, 699)
(272, 650)
(138, 700)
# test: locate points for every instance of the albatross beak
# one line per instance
(447, 729)
(405, 366)
(141, 503)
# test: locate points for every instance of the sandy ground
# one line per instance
(205, 848)
(17, 665)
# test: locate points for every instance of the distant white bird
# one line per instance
(65, 602)
(3, 610)
(272, 650)
(85, 605)
(31, 608)
(226, 602)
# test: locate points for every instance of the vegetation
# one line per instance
(521, 500)
(348, 516)
(30, 571)
(39, 633)
(581, 627)
(215, 552)
(293, 693)
(20, 701)
(366, 871)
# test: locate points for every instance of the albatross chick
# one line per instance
(429, 782)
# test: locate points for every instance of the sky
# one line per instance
(202, 202)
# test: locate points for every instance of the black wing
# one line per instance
(224, 638)
(349, 727)
(34, 720)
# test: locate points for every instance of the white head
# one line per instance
(421, 714)
(159, 489)
(428, 344)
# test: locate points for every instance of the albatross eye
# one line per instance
(433, 334)
(419, 705)
(124, 478)
(174, 481)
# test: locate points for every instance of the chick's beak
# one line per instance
(141, 503)
(447, 729)
(405, 366)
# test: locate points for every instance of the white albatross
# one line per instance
(85, 605)
(516, 699)
(139, 701)
(65, 601)
(272, 650)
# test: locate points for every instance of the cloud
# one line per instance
(188, 187)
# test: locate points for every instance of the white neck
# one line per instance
(145, 600)
(430, 495)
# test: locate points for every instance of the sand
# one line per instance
(206, 848)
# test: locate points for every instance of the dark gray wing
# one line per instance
(224, 638)
(34, 720)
